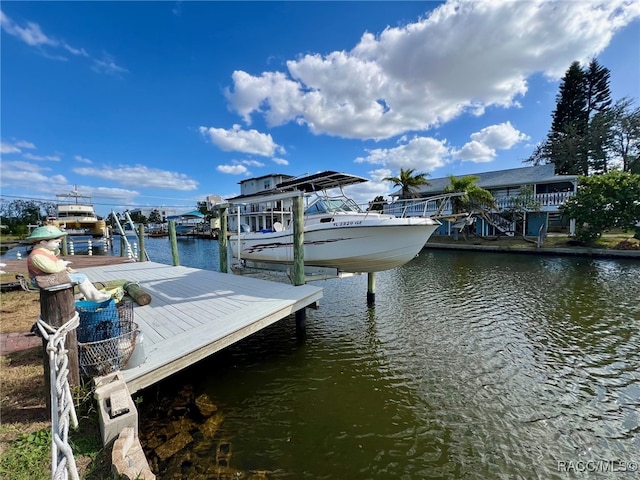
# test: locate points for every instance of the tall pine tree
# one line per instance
(580, 129)
(599, 115)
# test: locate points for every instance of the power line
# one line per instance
(116, 204)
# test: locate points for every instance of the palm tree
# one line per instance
(474, 196)
(408, 181)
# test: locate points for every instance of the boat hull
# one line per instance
(353, 246)
(95, 228)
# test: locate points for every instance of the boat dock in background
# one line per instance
(195, 313)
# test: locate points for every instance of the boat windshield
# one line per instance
(332, 205)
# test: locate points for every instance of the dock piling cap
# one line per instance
(47, 232)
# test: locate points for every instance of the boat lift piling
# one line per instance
(371, 288)
(298, 258)
(173, 239)
(222, 239)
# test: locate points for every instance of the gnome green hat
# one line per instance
(47, 232)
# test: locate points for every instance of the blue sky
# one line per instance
(162, 103)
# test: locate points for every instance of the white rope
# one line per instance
(63, 463)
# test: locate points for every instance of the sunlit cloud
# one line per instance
(237, 139)
(140, 176)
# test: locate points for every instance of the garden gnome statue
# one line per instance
(44, 260)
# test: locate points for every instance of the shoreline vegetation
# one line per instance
(25, 427)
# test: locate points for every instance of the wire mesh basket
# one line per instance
(106, 356)
(106, 336)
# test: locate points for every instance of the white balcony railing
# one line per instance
(546, 201)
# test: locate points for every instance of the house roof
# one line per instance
(501, 178)
(271, 175)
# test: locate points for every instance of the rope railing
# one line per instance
(63, 413)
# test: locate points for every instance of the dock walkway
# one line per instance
(195, 313)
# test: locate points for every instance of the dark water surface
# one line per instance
(470, 365)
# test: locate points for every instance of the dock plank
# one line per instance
(195, 313)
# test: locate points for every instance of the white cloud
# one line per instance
(119, 194)
(80, 159)
(17, 174)
(141, 177)
(483, 144)
(280, 161)
(461, 58)
(6, 148)
(16, 147)
(502, 136)
(107, 65)
(238, 140)
(41, 158)
(32, 35)
(233, 169)
(422, 154)
(475, 151)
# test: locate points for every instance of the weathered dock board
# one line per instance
(195, 313)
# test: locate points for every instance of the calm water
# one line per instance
(469, 366)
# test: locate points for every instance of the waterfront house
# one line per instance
(536, 191)
(253, 215)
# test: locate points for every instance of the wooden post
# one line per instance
(123, 247)
(298, 241)
(142, 254)
(298, 258)
(222, 241)
(63, 248)
(57, 307)
(174, 242)
(371, 288)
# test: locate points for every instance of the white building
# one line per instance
(260, 215)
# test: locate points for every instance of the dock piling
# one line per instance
(174, 242)
(371, 288)
(298, 259)
(222, 241)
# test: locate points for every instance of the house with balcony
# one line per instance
(536, 192)
(249, 213)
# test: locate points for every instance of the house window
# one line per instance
(267, 184)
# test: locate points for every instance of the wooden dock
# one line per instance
(195, 313)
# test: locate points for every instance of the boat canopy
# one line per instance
(188, 215)
(321, 181)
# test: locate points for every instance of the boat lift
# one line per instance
(123, 235)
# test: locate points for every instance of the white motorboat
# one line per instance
(337, 232)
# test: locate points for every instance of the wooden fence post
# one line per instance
(57, 307)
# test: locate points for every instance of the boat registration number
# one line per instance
(347, 224)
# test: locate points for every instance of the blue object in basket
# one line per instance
(98, 321)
